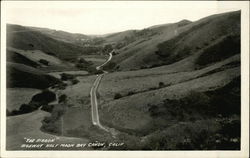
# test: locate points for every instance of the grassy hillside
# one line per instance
(187, 88)
(15, 57)
(169, 87)
(149, 106)
(28, 126)
(73, 38)
(38, 59)
(173, 42)
(28, 39)
(19, 75)
(18, 96)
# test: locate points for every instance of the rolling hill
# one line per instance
(169, 43)
(20, 75)
(26, 38)
(169, 87)
(182, 82)
(73, 38)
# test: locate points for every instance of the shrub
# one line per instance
(66, 77)
(206, 43)
(8, 113)
(117, 96)
(44, 62)
(47, 108)
(153, 109)
(62, 98)
(74, 81)
(44, 97)
(30, 45)
(62, 86)
(197, 47)
(53, 124)
(229, 46)
(131, 93)
(92, 70)
(107, 48)
(50, 53)
(26, 108)
(227, 100)
(83, 64)
(161, 84)
(109, 66)
(14, 112)
(195, 104)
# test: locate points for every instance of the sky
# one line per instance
(93, 17)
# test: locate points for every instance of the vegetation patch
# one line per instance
(38, 100)
(199, 121)
(69, 77)
(228, 47)
(19, 75)
(53, 123)
(44, 62)
(18, 58)
(170, 51)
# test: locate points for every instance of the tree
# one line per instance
(74, 81)
(66, 77)
(117, 96)
(161, 84)
(62, 98)
(44, 62)
(44, 97)
(107, 48)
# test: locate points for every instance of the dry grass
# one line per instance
(131, 111)
(18, 96)
(140, 81)
(58, 74)
(138, 54)
(78, 114)
(36, 55)
(28, 126)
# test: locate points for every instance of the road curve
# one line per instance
(93, 98)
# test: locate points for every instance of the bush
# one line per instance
(8, 113)
(61, 86)
(47, 108)
(26, 108)
(44, 97)
(44, 62)
(131, 93)
(117, 96)
(229, 46)
(66, 77)
(62, 98)
(109, 66)
(52, 124)
(161, 84)
(227, 100)
(74, 81)
(195, 104)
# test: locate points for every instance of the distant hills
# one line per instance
(170, 80)
(38, 51)
(26, 38)
(166, 44)
(167, 84)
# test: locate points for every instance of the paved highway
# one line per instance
(94, 101)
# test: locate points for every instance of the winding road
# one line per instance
(93, 98)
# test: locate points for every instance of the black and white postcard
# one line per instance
(125, 79)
